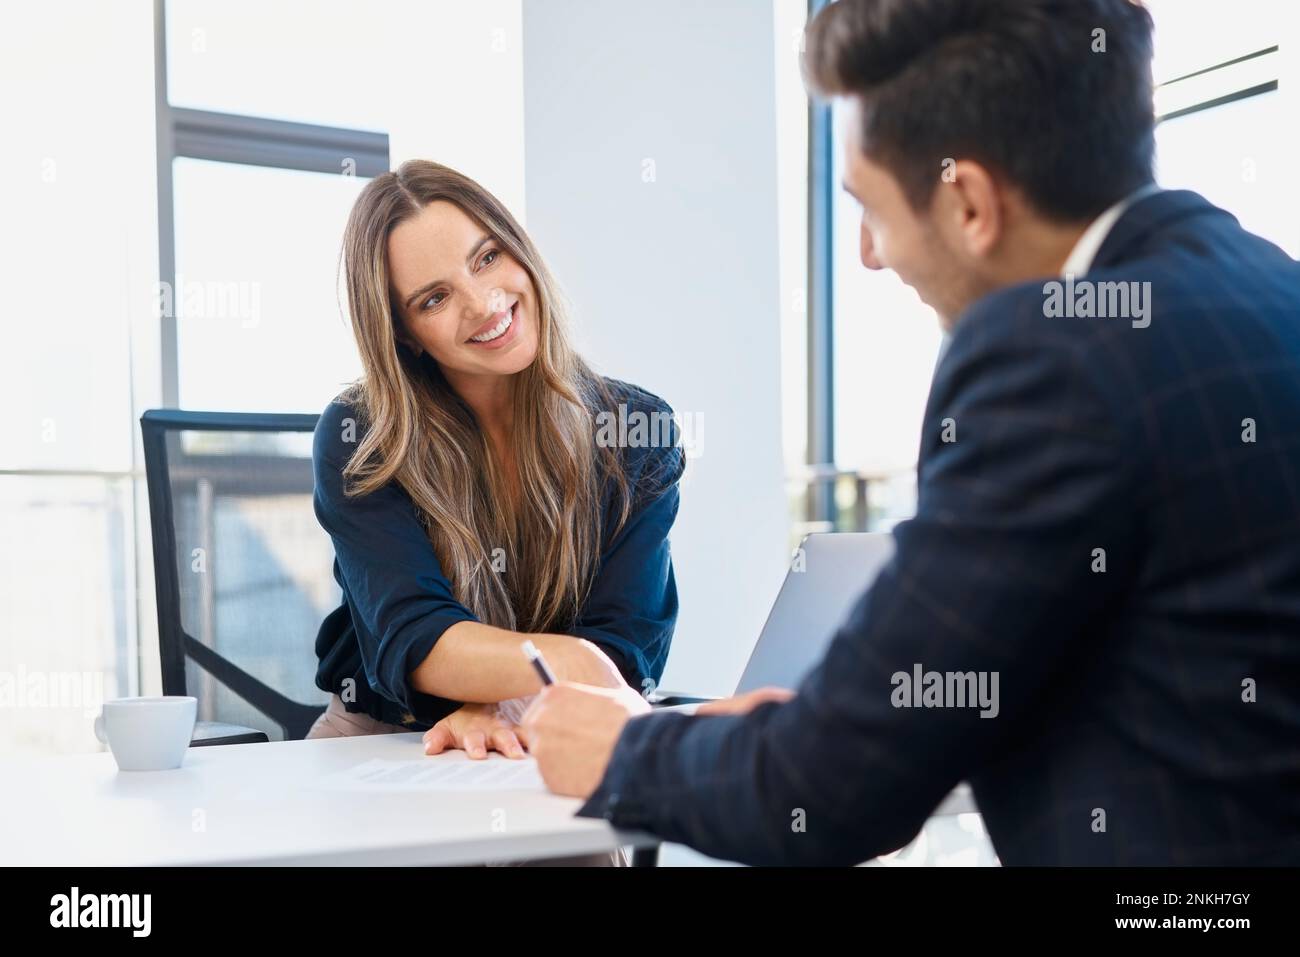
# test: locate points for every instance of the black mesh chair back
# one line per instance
(243, 569)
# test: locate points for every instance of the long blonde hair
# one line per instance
(421, 435)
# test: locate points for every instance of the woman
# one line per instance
(470, 496)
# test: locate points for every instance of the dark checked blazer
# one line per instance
(1149, 713)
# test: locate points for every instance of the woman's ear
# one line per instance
(403, 338)
(409, 344)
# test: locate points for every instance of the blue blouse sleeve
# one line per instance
(631, 610)
(399, 598)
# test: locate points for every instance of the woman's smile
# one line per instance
(499, 331)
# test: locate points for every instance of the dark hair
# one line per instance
(1012, 84)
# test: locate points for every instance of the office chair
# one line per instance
(243, 570)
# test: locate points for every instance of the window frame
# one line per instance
(241, 140)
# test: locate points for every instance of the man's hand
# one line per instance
(474, 729)
(745, 703)
(571, 730)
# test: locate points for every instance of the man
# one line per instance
(1094, 616)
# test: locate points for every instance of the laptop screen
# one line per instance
(827, 576)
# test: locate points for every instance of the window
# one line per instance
(76, 187)
(1236, 155)
(1227, 113)
(886, 344)
(276, 118)
(251, 112)
(256, 253)
(251, 213)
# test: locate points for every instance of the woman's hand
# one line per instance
(474, 729)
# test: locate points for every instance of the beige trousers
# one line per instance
(338, 722)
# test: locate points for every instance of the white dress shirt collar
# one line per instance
(1089, 244)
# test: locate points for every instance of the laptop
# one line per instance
(828, 574)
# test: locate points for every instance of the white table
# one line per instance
(265, 804)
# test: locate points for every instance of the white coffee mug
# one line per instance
(147, 734)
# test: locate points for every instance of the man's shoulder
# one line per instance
(1016, 320)
(1089, 318)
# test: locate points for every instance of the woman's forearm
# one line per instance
(476, 662)
(473, 662)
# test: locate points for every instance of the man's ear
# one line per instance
(969, 207)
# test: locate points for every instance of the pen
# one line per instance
(539, 663)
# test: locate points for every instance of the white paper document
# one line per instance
(448, 772)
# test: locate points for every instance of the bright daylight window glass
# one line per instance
(260, 326)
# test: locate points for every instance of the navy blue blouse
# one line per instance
(397, 601)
